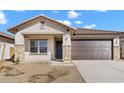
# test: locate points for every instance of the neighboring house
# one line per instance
(9, 45)
(43, 39)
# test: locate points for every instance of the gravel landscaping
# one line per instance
(39, 73)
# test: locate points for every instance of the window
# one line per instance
(38, 46)
(43, 46)
(34, 46)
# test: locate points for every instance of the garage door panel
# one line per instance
(92, 49)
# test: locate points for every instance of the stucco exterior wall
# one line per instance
(19, 38)
(66, 38)
(46, 29)
(7, 50)
(9, 43)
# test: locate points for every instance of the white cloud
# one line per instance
(54, 11)
(78, 22)
(102, 10)
(73, 14)
(67, 22)
(90, 26)
(3, 19)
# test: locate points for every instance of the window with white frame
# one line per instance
(38, 46)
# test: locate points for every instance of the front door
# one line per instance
(58, 49)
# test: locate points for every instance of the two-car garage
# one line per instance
(92, 49)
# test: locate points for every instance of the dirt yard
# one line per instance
(39, 73)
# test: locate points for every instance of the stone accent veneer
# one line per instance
(19, 52)
(67, 53)
(116, 52)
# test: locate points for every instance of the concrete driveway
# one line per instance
(101, 71)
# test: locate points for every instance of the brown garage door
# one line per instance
(91, 49)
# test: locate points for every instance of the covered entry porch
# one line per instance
(44, 47)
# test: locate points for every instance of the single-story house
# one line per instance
(43, 39)
(7, 41)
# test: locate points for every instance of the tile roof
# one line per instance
(84, 31)
(6, 35)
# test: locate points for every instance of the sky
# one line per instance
(91, 19)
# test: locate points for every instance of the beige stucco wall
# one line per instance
(19, 38)
(7, 50)
(47, 29)
(9, 44)
(66, 38)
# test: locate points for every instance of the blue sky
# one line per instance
(95, 19)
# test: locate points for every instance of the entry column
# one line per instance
(116, 48)
(66, 47)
